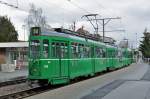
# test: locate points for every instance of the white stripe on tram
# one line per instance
(84, 58)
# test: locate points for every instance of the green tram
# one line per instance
(57, 58)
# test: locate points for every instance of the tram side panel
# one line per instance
(81, 63)
(100, 59)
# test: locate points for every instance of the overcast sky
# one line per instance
(135, 14)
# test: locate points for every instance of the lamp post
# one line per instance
(23, 27)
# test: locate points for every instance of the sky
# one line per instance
(135, 15)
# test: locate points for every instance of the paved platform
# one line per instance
(6, 76)
(128, 83)
(135, 85)
(130, 90)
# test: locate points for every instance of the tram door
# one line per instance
(61, 53)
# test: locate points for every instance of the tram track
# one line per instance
(22, 93)
(23, 90)
(13, 81)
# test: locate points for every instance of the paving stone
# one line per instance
(147, 75)
(101, 92)
(130, 90)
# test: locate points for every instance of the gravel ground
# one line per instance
(13, 88)
(6, 76)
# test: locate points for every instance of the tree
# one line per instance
(145, 44)
(7, 30)
(36, 18)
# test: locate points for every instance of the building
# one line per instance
(14, 53)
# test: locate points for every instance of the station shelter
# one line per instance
(13, 55)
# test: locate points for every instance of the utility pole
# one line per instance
(74, 26)
(136, 41)
(92, 18)
(105, 21)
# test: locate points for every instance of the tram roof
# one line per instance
(61, 34)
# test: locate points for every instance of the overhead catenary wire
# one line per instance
(64, 11)
(102, 6)
(109, 12)
(83, 9)
(47, 2)
(79, 7)
(13, 6)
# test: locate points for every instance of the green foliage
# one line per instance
(145, 45)
(7, 30)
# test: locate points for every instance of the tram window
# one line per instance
(74, 50)
(81, 50)
(64, 50)
(116, 52)
(119, 54)
(45, 48)
(59, 50)
(99, 52)
(103, 53)
(35, 48)
(86, 52)
(55, 50)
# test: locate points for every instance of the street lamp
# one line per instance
(23, 27)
